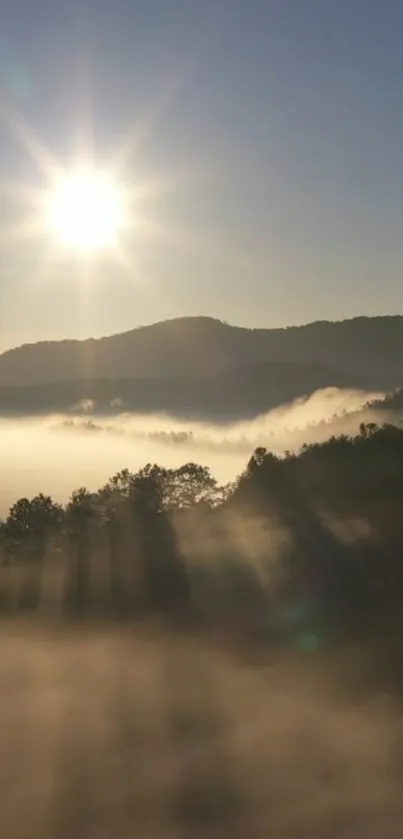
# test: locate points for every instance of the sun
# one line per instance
(85, 210)
(92, 210)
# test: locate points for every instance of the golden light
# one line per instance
(85, 210)
(92, 210)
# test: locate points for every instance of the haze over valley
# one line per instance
(185, 390)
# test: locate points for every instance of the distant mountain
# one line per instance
(233, 394)
(202, 365)
(367, 347)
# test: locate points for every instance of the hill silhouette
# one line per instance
(201, 365)
(247, 392)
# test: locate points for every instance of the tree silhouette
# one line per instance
(113, 511)
(178, 545)
(188, 486)
(80, 515)
(28, 529)
(165, 583)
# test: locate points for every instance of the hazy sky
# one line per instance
(274, 129)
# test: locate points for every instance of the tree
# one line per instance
(314, 567)
(6, 556)
(80, 515)
(188, 486)
(28, 530)
(112, 509)
(165, 582)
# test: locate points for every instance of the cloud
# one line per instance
(85, 406)
(284, 427)
(116, 403)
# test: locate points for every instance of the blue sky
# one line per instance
(277, 126)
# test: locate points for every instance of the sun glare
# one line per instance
(85, 211)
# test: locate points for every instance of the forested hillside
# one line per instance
(306, 546)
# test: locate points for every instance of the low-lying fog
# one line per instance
(56, 454)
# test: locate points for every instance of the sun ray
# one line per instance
(172, 83)
(139, 133)
(21, 192)
(29, 228)
(38, 151)
(179, 237)
(85, 209)
(158, 185)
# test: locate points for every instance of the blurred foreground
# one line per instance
(116, 733)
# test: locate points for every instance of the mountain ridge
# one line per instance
(205, 346)
(199, 362)
(207, 319)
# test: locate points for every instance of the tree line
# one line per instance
(301, 546)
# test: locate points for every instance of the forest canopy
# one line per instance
(312, 540)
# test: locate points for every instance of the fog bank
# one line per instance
(59, 453)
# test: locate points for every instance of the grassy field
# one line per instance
(108, 733)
